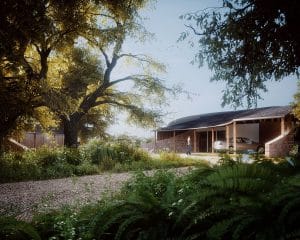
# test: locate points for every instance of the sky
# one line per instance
(162, 19)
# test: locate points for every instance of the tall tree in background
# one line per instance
(93, 89)
(31, 34)
(32, 31)
(246, 43)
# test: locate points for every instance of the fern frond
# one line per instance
(125, 224)
(219, 229)
(241, 229)
(245, 178)
(11, 228)
(292, 207)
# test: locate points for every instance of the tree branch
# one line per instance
(120, 80)
(194, 30)
(140, 57)
(105, 56)
(113, 102)
(131, 77)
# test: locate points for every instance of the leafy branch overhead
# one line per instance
(246, 44)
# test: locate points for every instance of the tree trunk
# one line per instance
(7, 123)
(71, 129)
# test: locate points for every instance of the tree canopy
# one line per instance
(88, 81)
(48, 66)
(246, 43)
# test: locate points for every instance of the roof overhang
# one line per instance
(224, 124)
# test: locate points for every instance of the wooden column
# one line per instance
(282, 125)
(206, 141)
(212, 140)
(227, 137)
(195, 142)
(34, 139)
(155, 139)
(234, 137)
(174, 142)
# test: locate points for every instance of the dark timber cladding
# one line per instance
(262, 125)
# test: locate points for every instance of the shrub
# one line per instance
(44, 163)
(166, 156)
(108, 155)
(47, 156)
(15, 166)
(73, 156)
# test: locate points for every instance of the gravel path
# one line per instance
(23, 199)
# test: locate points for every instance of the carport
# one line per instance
(261, 125)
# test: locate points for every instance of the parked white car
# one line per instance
(242, 144)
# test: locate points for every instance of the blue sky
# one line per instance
(163, 20)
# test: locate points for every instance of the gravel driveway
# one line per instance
(23, 199)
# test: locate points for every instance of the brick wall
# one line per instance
(280, 146)
(180, 141)
(269, 130)
(164, 135)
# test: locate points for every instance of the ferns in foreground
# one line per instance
(239, 201)
(12, 229)
(147, 212)
(243, 202)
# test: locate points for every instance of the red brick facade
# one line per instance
(276, 134)
(179, 144)
(280, 146)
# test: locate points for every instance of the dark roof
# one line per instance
(221, 118)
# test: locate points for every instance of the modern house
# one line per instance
(272, 127)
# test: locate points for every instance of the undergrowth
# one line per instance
(232, 200)
(92, 158)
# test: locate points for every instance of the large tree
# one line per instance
(32, 33)
(89, 82)
(246, 43)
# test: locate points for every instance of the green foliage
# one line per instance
(246, 43)
(145, 213)
(230, 201)
(44, 163)
(94, 157)
(45, 65)
(226, 159)
(57, 225)
(17, 167)
(12, 229)
(296, 103)
(224, 202)
(108, 155)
